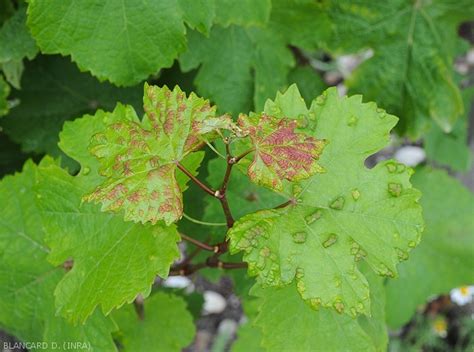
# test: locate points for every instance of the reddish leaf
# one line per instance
(281, 153)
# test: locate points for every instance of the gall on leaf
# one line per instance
(139, 158)
(281, 152)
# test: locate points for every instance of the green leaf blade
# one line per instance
(167, 325)
(443, 260)
(112, 40)
(27, 280)
(96, 242)
(341, 217)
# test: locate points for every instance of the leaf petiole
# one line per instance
(195, 180)
(205, 223)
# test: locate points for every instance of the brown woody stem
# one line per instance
(228, 215)
(185, 268)
(195, 180)
(197, 243)
(192, 268)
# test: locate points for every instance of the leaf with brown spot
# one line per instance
(281, 153)
(342, 218)
(138, 158)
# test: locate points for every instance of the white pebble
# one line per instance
(214, 303)
(177, 282)
(227, 326)
(410, 155)
(470, 57)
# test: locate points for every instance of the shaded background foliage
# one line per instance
(63, 59)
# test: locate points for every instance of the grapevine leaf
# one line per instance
(53, 91)
(118, 41)
(75, 137)
(288, 105)
(11, 157)
(140, 159)
(227, 60)
(304, 24)
(416, 84)
(27, 280)
(316, 330)
(167, 325)
(249, 336)
(4, 92)
(444, 258)
(342, 216)
(281, 153)
(452, 149)
(16, 42)
(243, 67)
(243, 13)
(198, 14)
(6, 10)
(98, 243)
(308, 81)
(13, 71)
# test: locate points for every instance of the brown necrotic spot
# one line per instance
(134, 197)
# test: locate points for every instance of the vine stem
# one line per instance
(221, 193)
(212, 261)
(195, 180)
(198, 243)
(192, 268)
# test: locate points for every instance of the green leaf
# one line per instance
(242, 67)
(248, 337)
(227, 60)
(242, 13)
(416, 84)
(16, 42)
(452, 149)
(13, 71)
(444, 258)
(11, 157)
(167, 325)
(53, 91)
(6, 10)
(198, 14)
(316, 330)
(114, 261)
(118, 41)
(308, 81)
(301, 23)
(27, 280)
(4, 92)
(280, 153)
(340, 217)
(139, 159)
